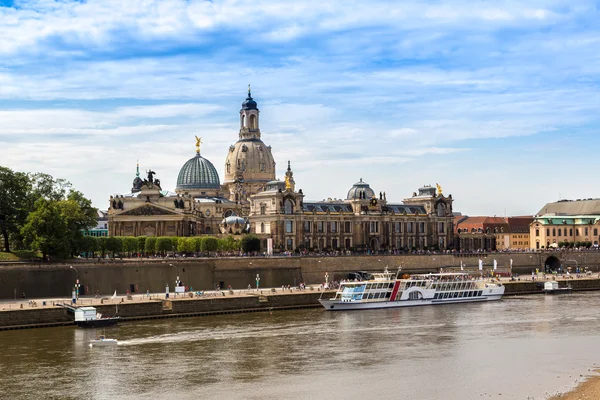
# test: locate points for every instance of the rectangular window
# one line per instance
(548, 232)
(553, 232)
(441, 227)
(537, 232)
(595, 231)
(586, 231)
(397, 227)
(577, 232)
(289, 226)
(571, 232)
(290, 244)
(374, 227)
(320, 226)
(347, 227)
(559, 232)
(307, 226)
(421, 227)
(409, 227)
(334, 228)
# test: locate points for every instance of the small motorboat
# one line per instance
(103, 341)
(552, 287)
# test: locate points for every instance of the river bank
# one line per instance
(589, 389)
(47, 312)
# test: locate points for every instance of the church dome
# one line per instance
(198, 173)
(360, 190)
(249, 103)
(251, 158)
(137, 185)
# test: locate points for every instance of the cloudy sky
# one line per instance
(496, 101)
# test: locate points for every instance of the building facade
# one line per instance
(363, 221)
(252, 199)
(566, 223)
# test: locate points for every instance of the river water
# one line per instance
(509, 349)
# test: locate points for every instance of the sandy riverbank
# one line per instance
(590, 389)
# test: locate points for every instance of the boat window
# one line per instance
(480, 292)
(388, 295)
(455, 294)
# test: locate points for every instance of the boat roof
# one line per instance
(86, 309)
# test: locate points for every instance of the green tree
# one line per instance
(164, 245)
(209, 244)
(102, 245)
(46, 230)
(79, 215)
(229, 244)
(114, 244)
(198, 244)
(141, 243)
(14, 190)
(181, 245)
(150, 245)
(250, 243)
(130, 245)
(89, 245)
(174, 242)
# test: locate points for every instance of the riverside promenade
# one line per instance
(45, 312)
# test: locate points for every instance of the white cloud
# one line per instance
(401, 93)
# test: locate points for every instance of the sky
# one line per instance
(496, 101)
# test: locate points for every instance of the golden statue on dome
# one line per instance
(198, 141)
(439, 189)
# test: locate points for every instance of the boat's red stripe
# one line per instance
(395, 291)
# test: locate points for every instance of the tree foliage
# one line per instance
(250, 243)
(32, 201)
(14, 190)
(46, 230)
(163, 245)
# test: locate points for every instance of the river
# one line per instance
(510, 349)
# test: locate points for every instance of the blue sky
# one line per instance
(495, 101)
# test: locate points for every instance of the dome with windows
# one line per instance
(198, 173)
(360, 190)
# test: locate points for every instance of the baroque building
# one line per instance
(252, 199)
(196, 207)
(249, 164)
(282, 218)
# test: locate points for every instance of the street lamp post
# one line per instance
(257, 281)
(326, 280)
(76, 282)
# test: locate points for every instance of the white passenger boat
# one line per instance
(388, 290)
(103, 341)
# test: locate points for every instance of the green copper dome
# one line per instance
(198, 173)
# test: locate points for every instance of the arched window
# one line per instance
(228, 167)
(262, 227)
(243, 120)
(288, 207)
(441, 210)
(253, 122)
